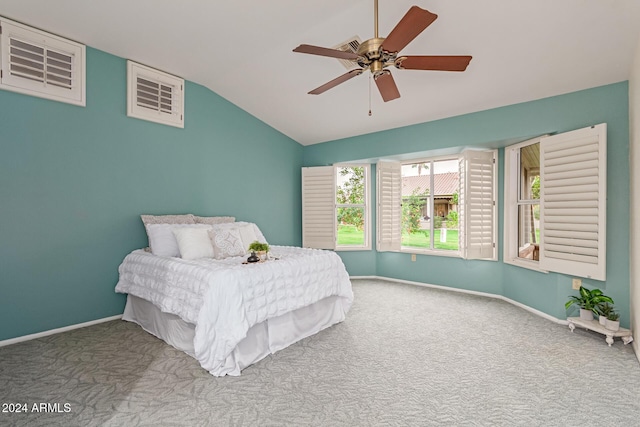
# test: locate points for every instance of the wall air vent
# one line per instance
(350, 45)
(154, 95)
(40, 64)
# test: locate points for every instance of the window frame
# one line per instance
(320, 207)
(573, 194)
(366, 206)
(431, 250)
(477, 217)
(512, 201)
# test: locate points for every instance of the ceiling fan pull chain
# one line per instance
(369, 95)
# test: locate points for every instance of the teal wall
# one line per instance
(493, 128)
(73, 182)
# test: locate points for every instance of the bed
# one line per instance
(228, 314)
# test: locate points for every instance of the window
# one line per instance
(155, 96)
(430, 192)
(335, 207)
(40, 64)
(352, 207)
(422, 205)
(555, 203)
(528, 201)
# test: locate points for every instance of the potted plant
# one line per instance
(259, 248)
(588, 300)
(603, 311)
(613, 321)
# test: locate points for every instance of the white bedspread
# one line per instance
(224, 298)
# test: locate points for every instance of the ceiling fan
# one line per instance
(379, 53)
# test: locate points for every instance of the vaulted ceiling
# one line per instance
(242, 50)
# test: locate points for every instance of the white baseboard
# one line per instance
(365, 277)
(465, 291)
(57, 331)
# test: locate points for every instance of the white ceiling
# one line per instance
(522, 50)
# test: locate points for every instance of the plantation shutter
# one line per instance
(462, 235)
(41, 64)
(477, 199)
(573, 202)
(389, 214)
(155, 95)
(319, 207)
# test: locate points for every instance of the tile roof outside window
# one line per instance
(445, 184)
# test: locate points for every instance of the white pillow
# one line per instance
(166, 219)
(162, 240)
(237, 225)
(193, 242)
(226, 243)
(247, 234)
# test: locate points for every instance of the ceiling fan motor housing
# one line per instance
(372, 56)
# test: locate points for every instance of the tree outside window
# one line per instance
(351, 209)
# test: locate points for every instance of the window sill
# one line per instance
(531, 265)
(450, 254)
(352, 249)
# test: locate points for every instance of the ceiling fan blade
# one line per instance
(412, 23)
(435, 63)
(325, 51)
(335, 82)
(387, 86)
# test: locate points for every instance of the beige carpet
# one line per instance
(405, 355)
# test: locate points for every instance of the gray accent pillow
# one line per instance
(167, 219)
(226, 243)
(212, 220)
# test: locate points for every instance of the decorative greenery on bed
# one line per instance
(259, 247)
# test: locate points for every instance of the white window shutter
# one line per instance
(462, 177)
(41, 64)
(154, 95)
(477, 198)
(389, 214)
(319, 207)
(573, 202)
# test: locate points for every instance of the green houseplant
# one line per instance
(613, 321)
(588, 301)
(604, 310)
(259, 248)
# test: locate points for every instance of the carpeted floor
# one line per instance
(406, 356)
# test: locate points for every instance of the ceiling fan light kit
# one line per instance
(379, 53)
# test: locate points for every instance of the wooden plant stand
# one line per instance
(594, 325)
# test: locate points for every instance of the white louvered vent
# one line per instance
(319, 207)
(350, 45)
(573, 202)
(41, 64)
(389, 195)
(154, 95)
